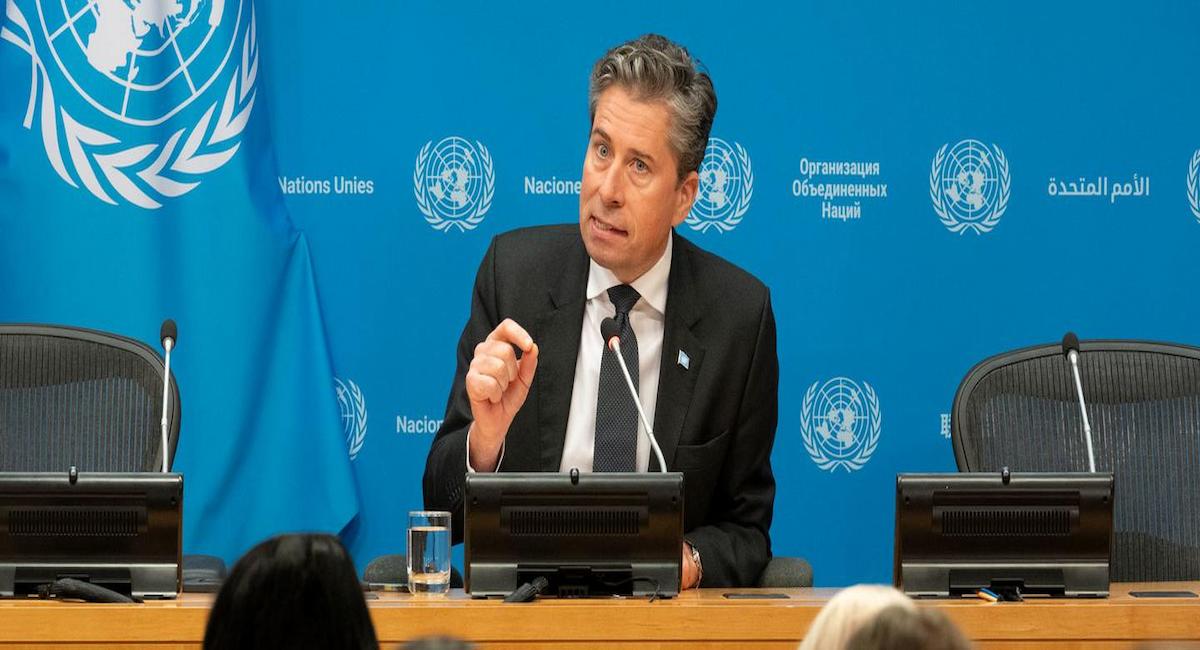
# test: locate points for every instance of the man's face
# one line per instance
(631, 195)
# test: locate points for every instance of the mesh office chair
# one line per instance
(1019, 409)
(71, 396)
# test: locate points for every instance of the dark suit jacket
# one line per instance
(715, 421)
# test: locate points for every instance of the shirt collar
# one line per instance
(652, 285)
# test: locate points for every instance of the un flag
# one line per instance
(137, 182)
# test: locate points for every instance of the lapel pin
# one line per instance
(685, 360)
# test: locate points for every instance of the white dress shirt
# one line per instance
(648, 318)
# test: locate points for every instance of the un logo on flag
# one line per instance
(726, 186)
(354, 414)
(454, 182)
(969, 186)
(1194, 184)
(142, 114)
(840, 423)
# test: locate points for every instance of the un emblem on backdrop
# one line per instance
(969, 186)
(150, 94)
(454, 182)
(840, 423)
(1194, 184)
(726, 186)
(354, 414)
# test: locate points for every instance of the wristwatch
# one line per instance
(696, 559)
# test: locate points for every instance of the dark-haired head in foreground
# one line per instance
(908, 628)
(292, 591)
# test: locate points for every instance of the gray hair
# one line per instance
(652, 68)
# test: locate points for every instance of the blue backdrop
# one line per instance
(921, 186)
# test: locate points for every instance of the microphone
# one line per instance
(168, 335)
(1070, 346)
(612, 338)
(610, 330)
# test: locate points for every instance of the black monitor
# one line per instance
(587, 534)
(122, 531)
(1016, 534)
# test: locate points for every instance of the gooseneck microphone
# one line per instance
(167, 334)
(612, 338)
(1070, 346)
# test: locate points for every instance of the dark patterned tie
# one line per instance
(615, 447)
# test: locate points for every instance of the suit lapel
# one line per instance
(677, 380)
(557, 334)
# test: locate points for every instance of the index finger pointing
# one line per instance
(509, 331)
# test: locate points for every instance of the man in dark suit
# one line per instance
(697, 333)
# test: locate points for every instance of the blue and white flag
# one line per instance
(138, 182)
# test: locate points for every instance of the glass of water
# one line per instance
(428, 552)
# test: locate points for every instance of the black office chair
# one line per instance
(71, 396)
(1020, 410)
(786, 572)
(88, 399)
(393, 569)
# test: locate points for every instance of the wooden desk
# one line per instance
(701, 619)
